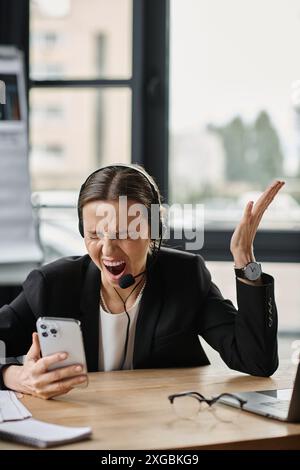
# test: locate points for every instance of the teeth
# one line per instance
(113, 263)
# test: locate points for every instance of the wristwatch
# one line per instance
(251, 271)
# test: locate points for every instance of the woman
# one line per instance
(155, 318)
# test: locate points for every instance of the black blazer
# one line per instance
(179, 302)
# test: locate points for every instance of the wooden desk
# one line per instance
(130, 410)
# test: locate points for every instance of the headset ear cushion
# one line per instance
(80, 224)
(80, 221)
(80, 227)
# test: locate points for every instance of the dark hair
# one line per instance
(113, 181)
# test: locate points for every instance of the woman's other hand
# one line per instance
(241, 245)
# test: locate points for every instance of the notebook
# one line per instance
(11, 408)
(40, 434)
(17, 424)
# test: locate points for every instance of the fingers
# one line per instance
(34, 352)
(60, 374)
(59, 388)
(243, 236)
(257, 209)
(268, 195)
(44, 363)
(265, 200)
(273, 186)
(247, 211)
(272, 193)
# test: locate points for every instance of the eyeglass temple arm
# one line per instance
(240, 400)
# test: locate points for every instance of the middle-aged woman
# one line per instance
(154, 318)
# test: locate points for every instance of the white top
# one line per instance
(113, 327)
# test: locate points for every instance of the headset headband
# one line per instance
(118, 165)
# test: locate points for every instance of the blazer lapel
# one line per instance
(89, 307)
(150, 308)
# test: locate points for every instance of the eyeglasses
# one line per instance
(188, 405)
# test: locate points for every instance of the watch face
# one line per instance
(252, 271)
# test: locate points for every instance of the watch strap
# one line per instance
(239, 272)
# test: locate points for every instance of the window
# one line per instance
(43, 71)
(46, 39)
(106, 66)
(48, 150)
(73, 44)
(234, 127)
(43, 112)
(234, 107)
(287, 296)
(85, 126)
(92, 40)
(80, 102)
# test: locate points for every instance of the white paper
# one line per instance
(40, 434)
(11, 408)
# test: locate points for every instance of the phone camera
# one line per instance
(43, 326)
(45, 334)
(53, 331)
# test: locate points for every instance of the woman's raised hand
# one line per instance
(241, 245)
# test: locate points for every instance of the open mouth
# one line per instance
(115, 267)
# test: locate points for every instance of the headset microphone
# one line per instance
(128, 280)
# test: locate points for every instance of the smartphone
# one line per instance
(62, 335)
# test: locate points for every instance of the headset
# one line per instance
(128, 280)
(155, 192)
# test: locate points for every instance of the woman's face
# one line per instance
(108, 236)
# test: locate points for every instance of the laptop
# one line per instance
(283, 404)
